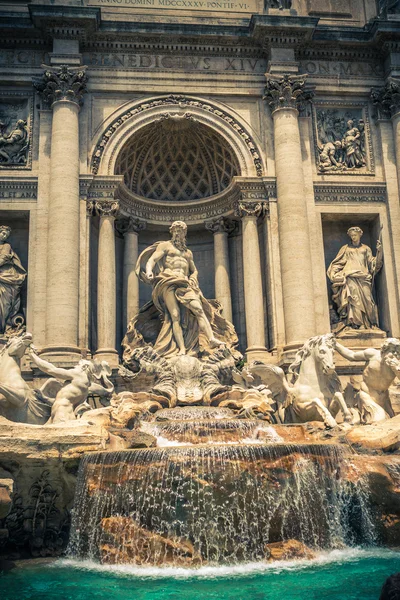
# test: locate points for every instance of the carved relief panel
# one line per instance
(15, 132)
(342, 139)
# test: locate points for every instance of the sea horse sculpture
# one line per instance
(314, 393)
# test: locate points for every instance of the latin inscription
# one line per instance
(342, 69)
(176, 63)
(239, 6)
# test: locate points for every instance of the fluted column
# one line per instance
(62, 88)
(221, 228)
(130, 228)
(284, 94)
(252, 279)
(106, 282)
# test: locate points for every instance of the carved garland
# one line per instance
(176, 100)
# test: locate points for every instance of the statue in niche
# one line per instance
(352, 274)
(340, 140)
(371, 391)
(179, 320)
(15, 145)
(12, 276)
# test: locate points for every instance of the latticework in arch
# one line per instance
(177, 161)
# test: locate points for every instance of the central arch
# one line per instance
(177, 160)
(125, 123)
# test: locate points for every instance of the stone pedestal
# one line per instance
(106, 283)
(130, 229)
(283, 94)
(221, 229)
(252, 279)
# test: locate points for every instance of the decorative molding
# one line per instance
(221, 225)
(129, 225)
(386, 100)
(330, 193)
(62, 83)
(191, 212)
(179, 101)
(251, 209)
(106, 208)
(286, 91)
(320, 106)
(18, 190)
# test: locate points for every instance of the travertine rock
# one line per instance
(288, 550)
(127, 542)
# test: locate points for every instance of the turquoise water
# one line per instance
(338, 575)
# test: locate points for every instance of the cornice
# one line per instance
(18, 189)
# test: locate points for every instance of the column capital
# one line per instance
(62, 83)
(251, 209)
(286, 91)
(387, 99)
(220, 225)
(129, 225)
(105, 208)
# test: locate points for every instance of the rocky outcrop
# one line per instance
(288, 550)
(125, 541)
(38, 468)
(384, 436)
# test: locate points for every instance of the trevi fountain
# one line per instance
(200, 299)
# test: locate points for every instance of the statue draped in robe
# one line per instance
(352, 274)
(179, 319)
(12, 276)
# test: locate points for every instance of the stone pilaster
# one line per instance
(221, 228)
(285, 94)
(252, 278)
(387, 104)
(107, 210)
(130, 228)
(62, 89)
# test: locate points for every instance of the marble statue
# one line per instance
(178, 320)
(314, 393)
(382, 368)
(15, 145)
(19, 402)
(352, 274)
(12, 276)
(87, 377)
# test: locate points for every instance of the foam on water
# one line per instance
(346, 555)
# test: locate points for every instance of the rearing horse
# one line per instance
(314, 392)
(19, 402)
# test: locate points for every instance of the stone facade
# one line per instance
(270, 129)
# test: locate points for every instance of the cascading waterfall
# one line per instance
(215, 504)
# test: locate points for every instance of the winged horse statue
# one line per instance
(313, 392)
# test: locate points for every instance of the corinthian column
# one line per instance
(62, 88)
(106, 282)
(221, 228)
(252, 279)
(130, 228)
(283, 95)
